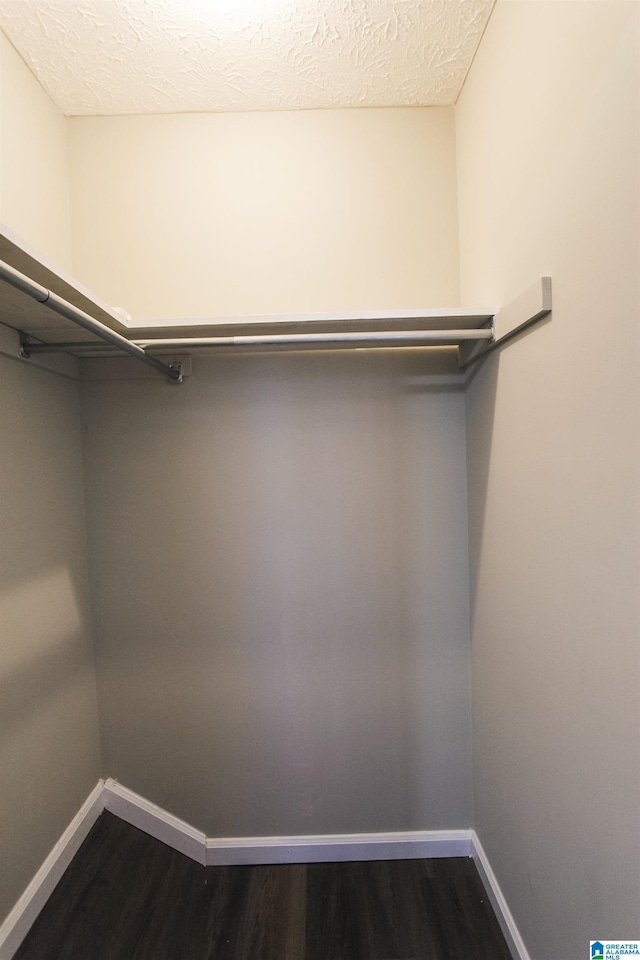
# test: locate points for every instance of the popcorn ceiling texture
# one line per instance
(170, 56)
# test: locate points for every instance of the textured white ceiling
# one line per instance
(166, 56)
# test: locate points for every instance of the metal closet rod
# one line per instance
(49, 299)
(376, 337)
(371, 336)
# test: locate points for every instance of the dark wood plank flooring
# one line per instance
(129, 897)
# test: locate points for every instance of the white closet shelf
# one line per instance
(19, 311)
(54, 313)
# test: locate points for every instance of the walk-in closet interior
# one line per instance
(363, 594)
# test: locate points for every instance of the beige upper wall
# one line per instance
(34, 176)
(213, 214)
(547, 135)
(531, 155)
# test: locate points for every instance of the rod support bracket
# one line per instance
(25, 342)
(176, 371)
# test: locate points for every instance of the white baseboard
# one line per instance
(17, 924)
(498, 901)
(336, 848)
(134, 809)
(238, 851)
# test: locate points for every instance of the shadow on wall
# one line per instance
(48, 735)
(480, 398)
(481, 402)
(44, 646)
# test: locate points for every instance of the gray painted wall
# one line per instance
(279, 577)
(49, 751)
(548, 165)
